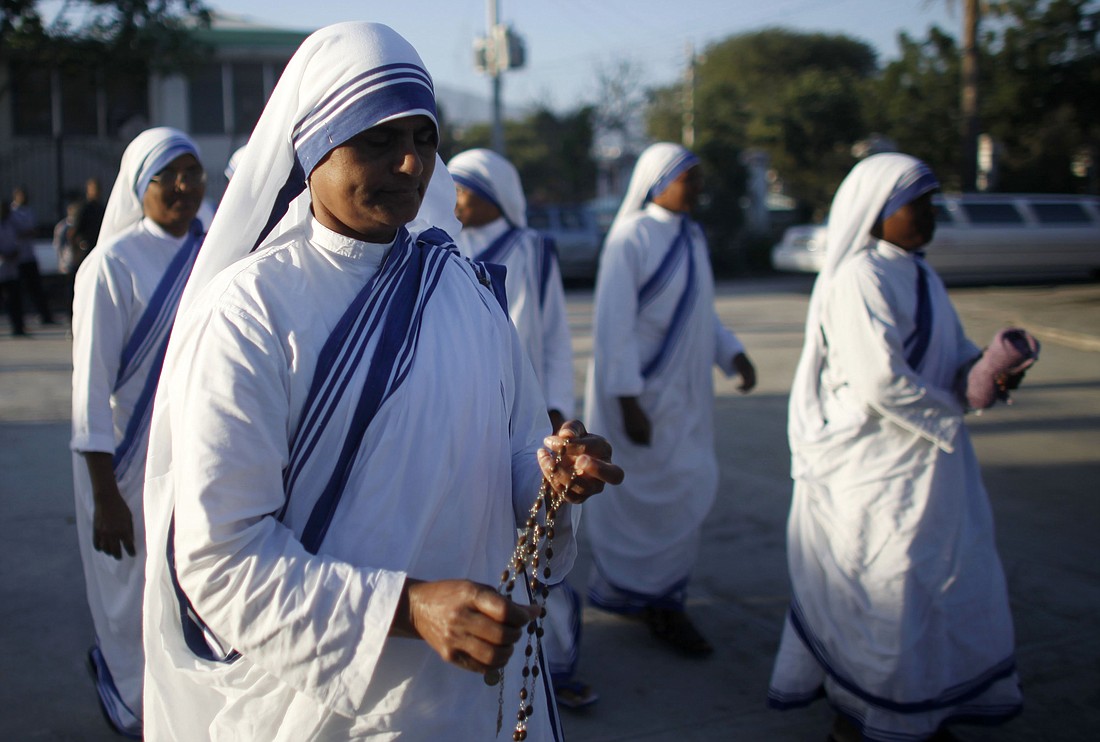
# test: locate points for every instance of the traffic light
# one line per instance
(502, 50)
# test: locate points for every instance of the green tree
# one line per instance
(1044, 100)
(118, 34)
(1040, 73)
(796, 96)
(915, 103)
(552, 152)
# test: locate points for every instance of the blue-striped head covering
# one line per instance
(375, 95)
(916, 182)
(149, 153)
(657, 167)
(344, 79)
(173, 144)
(683, 161)
(492, 178)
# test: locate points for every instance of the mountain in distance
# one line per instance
(463, 108)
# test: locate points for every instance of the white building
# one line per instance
(59, 127)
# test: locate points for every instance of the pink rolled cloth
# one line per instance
(1012, 352)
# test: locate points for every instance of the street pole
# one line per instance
(494, 56)
(968, 124)
(687, 133)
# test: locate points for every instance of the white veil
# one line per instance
(657, 166)
(494, 179)
(149, 153)
(344, 78)
(858, 204)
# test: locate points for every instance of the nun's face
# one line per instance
(374, 183)
(175, 195)
(472, 210)
(682, 194)
(911, 227)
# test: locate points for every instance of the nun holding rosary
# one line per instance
(347, 437)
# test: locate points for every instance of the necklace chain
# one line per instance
(536, 541)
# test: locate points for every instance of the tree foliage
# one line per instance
(153, 34)
(793, 95)
(915, 102)
(551, 151)
(1040, 83)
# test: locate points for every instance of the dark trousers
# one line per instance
(31, 280)
(12, 297)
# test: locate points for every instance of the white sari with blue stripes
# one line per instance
(536, 301)
(900, 611)
(657, 338)
(126, 299)
(331, 451)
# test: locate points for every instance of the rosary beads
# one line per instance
(524, 564)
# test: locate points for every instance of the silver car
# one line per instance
(983, 236)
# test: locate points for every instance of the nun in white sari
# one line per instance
(536, 300)
(493, 210)
(899, 614)
(650, 386)
(345, 438)
(126, 295)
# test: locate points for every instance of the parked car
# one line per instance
(985, 236)
(576, 235)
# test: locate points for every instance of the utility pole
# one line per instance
(501, 49)
(969, 125)
(687, 134)
(493, 10)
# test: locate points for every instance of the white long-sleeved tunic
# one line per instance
(645, 537)
(113, 288)
(539, 315)
(900, 609)
(445, 472)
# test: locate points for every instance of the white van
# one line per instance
(986, 236)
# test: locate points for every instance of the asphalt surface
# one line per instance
(1041, 464)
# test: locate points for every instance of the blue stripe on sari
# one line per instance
(681, 248)
(388, 368)
(341, 357)
(956, 695)
(548, 255)
(393, 303)
(499, 249)
(195, 634)
(150, 339)
(916, 345)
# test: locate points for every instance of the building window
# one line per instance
(248, 96)
(227, 98)
(207, 100)
(79, 102)
(31, 96)
(127, 100)
(86, 107)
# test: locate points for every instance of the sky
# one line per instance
(569, 41)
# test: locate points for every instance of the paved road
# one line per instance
(1041, 462)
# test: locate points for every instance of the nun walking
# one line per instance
(347, 438)
(900, 613)
(657, 338)
(492, 208)
(126, 296)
